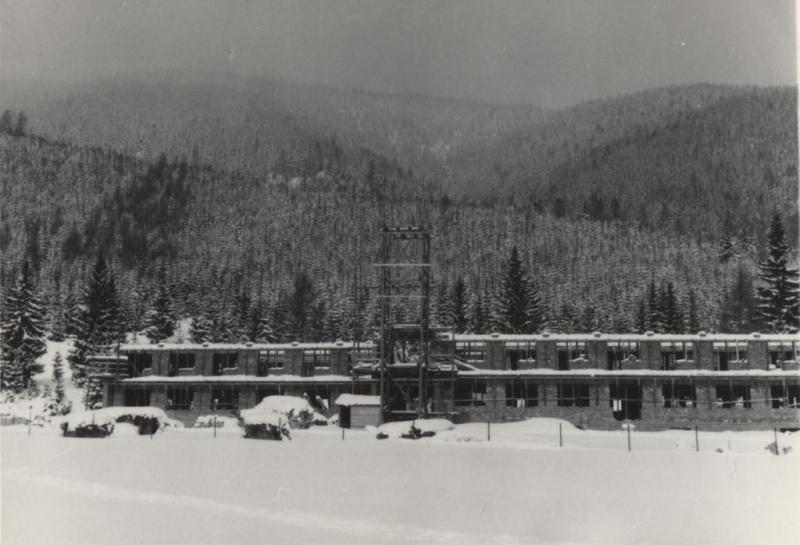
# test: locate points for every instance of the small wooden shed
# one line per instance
(358, 411)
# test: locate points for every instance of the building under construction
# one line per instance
(597, 380)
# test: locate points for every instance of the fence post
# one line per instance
(560, 436)
(775, 432)
(696, 440)
(629, 436)
(488, 431)
(343, 433)
(214, 425)
(30, 419)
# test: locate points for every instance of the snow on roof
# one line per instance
(776, 373)
(239, 346)
(349, 400)
(630, 337)
(270, 379)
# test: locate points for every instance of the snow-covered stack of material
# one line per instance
(147, 419)
(294, 410)
(414, 429)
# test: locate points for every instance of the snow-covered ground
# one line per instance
(186, 486)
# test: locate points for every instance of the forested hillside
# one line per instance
(708, 161)
(224, 246)
(711, 162)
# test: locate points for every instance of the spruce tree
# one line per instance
(692, 320)
(779, 298)
(59, 394)
(517, 308)
(459, 306)
(655, 321)
(200, 330)
(23, 334)
(738, 311)
(478, 315)
(160, 320)
(670, 311)
(641, 316)
(97, 322)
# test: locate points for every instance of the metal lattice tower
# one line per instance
(405, 286)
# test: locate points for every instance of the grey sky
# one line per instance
(552, 53)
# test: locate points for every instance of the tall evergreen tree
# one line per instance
(22, 334)
(779, 298)
(517, 308)
(59, 395)
(738, 311)
(478, 314)
(200, 330)
(692, 319)
(160, 320)
(97, 321)
(300, 306)
(655, 321)
(459, 306)
(670, 311)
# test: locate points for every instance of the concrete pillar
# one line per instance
(495, 355)
(601, 394)
(546, 355)
(549, 392)
(758, 354)
(650, 354)
(158, 396)
(495, 392)
(704, 355)
(247, 397)
(293, 361)
(202, 398)
(597, 353)
(340, 360)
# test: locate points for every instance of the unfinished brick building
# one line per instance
(595, 380)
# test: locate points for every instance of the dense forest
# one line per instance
(650, 211)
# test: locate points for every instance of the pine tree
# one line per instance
(23, 333)
(200, 330)
(59, 394)
(641, 316)
(443, 310)
(160, 320)
(670, 310)
(588, 319)
(258, 329)
(779, 298)
(478, 315)
(655, 321)
(517, 308)
(97, 322)
(692, 320)
(738, 311)
(459, 306)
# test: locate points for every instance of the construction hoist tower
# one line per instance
(405, 335)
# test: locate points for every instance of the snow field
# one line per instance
(184, 486)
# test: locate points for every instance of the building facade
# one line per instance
(598, 381)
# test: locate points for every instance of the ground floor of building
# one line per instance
(715, 402)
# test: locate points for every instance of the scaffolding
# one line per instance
(405, 286)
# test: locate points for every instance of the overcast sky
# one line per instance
(552, 53)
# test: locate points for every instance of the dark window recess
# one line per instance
(573, 395)
(679, 395)
(626, 400)
(180, 398)
(224, 398)
(521, 394)
(180, 360)
(736, 395)
(266, 391)
(470, 394)
(138, 362)
(224, 360)
(137, 397)
(785, 397)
